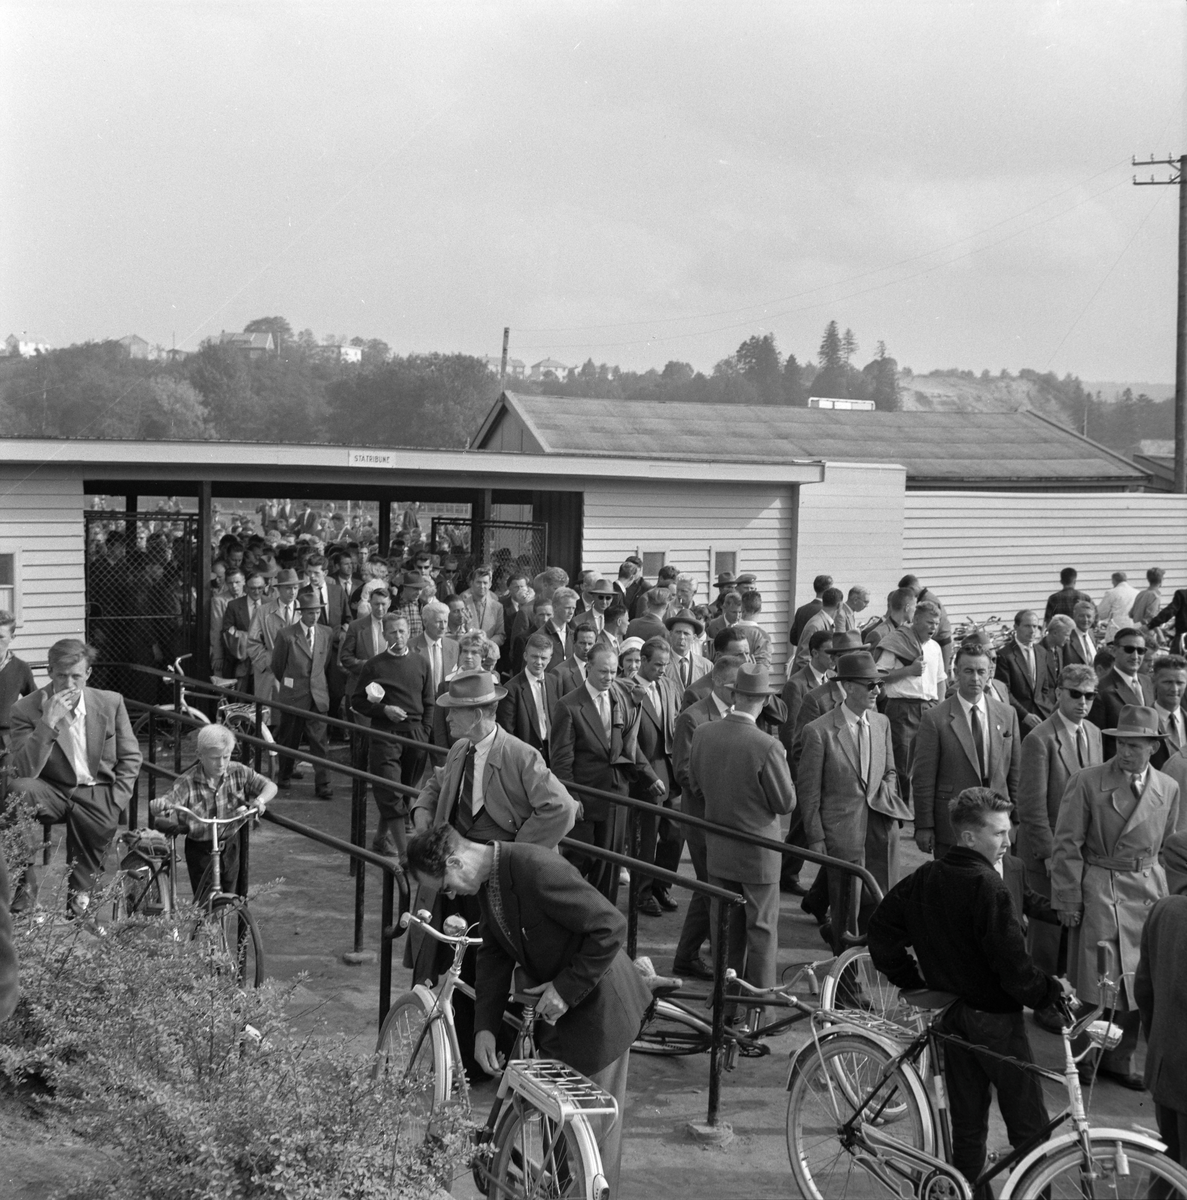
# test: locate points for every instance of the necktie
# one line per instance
(312, 639)
(1030, 664)
(863, 747)
(464, 817)
(288, 614)
(1135, 782)
(604, 712)
(1082, 745)
(979, 742)
(684, 667)
(435, 663)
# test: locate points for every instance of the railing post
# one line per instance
(152, 753)
(358, 835)
(632, 913)
(257, 751)
(387, 919)
(716, 1049)
(177, 724)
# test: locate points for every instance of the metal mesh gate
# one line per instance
(141, 594)
(506, 545)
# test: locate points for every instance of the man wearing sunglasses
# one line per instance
(1121, 684)
(1064, 744)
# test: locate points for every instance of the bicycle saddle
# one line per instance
(929, 998)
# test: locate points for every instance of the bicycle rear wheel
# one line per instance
(166, 730)
(239, 939)
(1121, 1172)
(823, 1154)
(533, 1160)
(671, 1032)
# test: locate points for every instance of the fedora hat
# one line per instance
(471, 689)
(308, 599)
(846, 642)
(601, 587)
(753, 680)
(287, 578)
(686, 617)
(1136, 721)
(858, 667)
(412, 580)
(725, 579)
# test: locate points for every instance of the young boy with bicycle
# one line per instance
(214, 787)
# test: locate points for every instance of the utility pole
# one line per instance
(1179, 171)
(503, 364)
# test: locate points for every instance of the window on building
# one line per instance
(725, 561)
(10, 583)
(652, 561)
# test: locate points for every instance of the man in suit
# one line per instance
(1064, 744)
(539, 614)
(559, 627)
(1054, 641)
(730, 603)
(824, 618)
(614, 626)
(806, 611)
(335, 615)
(739, 777)
(300, 659)
(1065, 600)
(650, 622)
(276, 615)
(969, 740)
(756, 636)
(482, 609)
(848, 790)
(364, 639)
(685, 666)
(1081, 643)
(590, 997)
(1160, 988)
(395, 691)
(660, 841)
(816, 671)
(526, 711)
(728, 641)
(237, 622)
(439, 651)
(1121, 685)
(711, 707)
(1027, 669)
(636, 585)
(598, 596)
(1170, 686)
(1105, 874)
(595, 742)
(75, 758)
(571, 674)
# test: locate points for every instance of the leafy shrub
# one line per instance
(195, 1088)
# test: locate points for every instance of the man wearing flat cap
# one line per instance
(739, 777)
(848, 790)
(1105, 873)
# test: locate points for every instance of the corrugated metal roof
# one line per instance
(931, 445)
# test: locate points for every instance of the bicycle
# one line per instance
(148, 889)
(538, 1141)
(862, 1122)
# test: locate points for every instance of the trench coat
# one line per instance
(1115, 902)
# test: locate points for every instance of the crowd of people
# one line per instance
(1041, 769)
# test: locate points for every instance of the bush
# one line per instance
(195, 1088)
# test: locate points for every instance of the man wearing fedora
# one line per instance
(739, 776)
(406, 601)
(725, 587)
(1105, 874)
(597, 598)
(300, 659)
(276, 615)
(686, 666)
(848, 790)
(395, 692)
(968, 740)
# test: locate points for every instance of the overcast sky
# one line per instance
(632, 182)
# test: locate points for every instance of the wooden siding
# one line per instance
(687, 522)
(509, 434)
(851, 527)
(992, 553)
(41, 516)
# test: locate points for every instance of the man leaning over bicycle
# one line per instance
(957, 914)
(214, 786)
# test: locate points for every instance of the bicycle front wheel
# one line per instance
(828, 1088)
(533, 1160)
(1120, 1171)
(672, 1031)
(239, 939)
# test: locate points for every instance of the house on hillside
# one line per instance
(25, 346)
(545, 365)
(255, 345)
(516, 367)
(136, 346)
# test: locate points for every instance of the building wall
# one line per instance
(691, 522)
(41, 518)
(993, 553)
(851, 527)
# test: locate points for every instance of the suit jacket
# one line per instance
(834, 798)
(803, 615)
(816, 703)
(113, 757)
(739, 775)
(261, 641)
(517, 710)
(945, 761)
(647, 627)
(798, 685)
(579, 751)
(1049, 760)
(1073, 652)
(569, 675)
(1171, 744)
(560, 929)
(519, 792)
(1176, 609)
(699, 666)
(237, 619)
(1058, 655)
(1093, 825)
(560, 650)
(337, 610)
(636, 605)
(1038, 698)
(360, 645)
(657, 729)
(301, 676)
(1112, 694)
(492, 617)
(1159, 987)
(449, 652)
(688, 722)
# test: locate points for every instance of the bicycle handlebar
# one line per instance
(240, 814)
(424, 918)
(780, 992)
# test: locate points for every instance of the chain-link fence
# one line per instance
(507, 545)
(141, 595)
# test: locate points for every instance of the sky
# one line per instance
(629, 182)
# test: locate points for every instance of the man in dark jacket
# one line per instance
(958, 916)
(591, 998)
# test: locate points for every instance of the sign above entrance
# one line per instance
(370, 458)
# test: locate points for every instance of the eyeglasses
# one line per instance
(869, 687)
(1078, 695)
(1132, 649)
